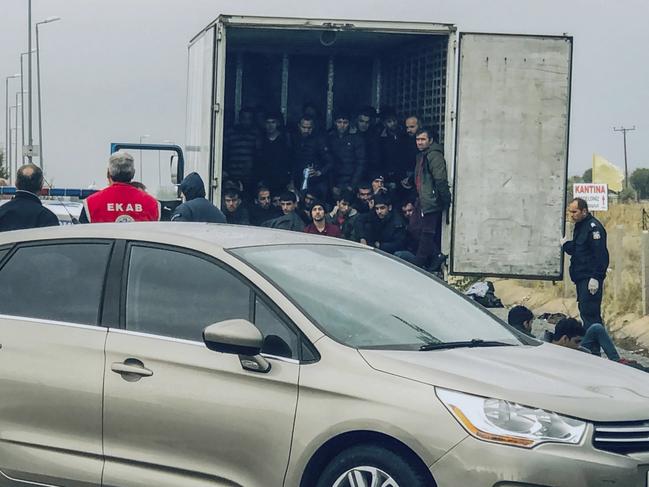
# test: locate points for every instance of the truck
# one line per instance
(499, 104)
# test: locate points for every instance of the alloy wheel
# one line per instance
(365, 477)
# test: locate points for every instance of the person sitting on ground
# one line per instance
(290, 220)
(344, 216)
(521, 318)
(388, 228)
(235, 212)
(262, 209)
(25, 209)
(320, 226)
(196, 207)
(569, 333)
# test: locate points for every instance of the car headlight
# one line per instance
(508, 423)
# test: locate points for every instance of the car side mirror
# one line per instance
(238, 337)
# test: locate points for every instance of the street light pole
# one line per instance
(22, 99)
(29, 75)
(141, 138)
(7, 133)
(38, 84)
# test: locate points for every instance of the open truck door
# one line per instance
(205, 92)
(511, 157)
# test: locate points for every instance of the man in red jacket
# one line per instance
(120, 202)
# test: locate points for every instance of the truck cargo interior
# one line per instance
(285, 68)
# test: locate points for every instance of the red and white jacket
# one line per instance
(121, 202)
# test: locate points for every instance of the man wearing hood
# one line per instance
(431, 182)
(196, 207)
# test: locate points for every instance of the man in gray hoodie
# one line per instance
(196, 207)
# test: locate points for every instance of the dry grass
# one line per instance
(623, 291)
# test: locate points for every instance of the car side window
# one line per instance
(174, 294)
(3, 252)
(58, 282)
(279, 338)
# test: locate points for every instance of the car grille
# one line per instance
(626, 437)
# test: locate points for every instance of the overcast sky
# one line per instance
(113, 70)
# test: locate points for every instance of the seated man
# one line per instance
(569, 333)
(589, 340)
(235, 211)
(521, 318)
(319, 225)
(388, 228)
(290, 220)
(263, 210)
(344, 216)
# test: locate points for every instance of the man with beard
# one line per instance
(388, 228)
(319, 225)
(262, 209)
(312, 160)
(235, 211)
(434, 197)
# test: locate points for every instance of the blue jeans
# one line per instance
(597, 338)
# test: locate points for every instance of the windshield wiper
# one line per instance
(476, 342)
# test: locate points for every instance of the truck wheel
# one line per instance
(368, 466)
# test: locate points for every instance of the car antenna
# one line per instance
(72, 219)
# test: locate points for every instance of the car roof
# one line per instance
(221, 235)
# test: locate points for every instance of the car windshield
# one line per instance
(365, 299)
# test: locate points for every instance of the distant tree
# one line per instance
(640, 182)
(627, 195)
(588, 176)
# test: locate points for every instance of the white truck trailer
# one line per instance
(499, 103)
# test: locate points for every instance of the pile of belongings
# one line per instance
(483, 292)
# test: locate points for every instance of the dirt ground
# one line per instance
(630, 332)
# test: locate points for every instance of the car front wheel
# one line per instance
(372, 466)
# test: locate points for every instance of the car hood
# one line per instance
(545, 376)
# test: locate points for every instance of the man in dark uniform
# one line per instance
(588, 260)
(25, 210)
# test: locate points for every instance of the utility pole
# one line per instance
(624, 130)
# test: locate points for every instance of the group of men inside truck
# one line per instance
(348, 182)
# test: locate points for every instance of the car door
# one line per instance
(176, 413)
(52, 363)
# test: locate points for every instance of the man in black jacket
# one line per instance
(388, 228)
(262, 209)
(588, 260)
(349, 155)
(196, 207)
(312, 159)
(25, 210)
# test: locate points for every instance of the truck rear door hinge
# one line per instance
(217, 107)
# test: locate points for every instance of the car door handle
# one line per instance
(131, 367)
